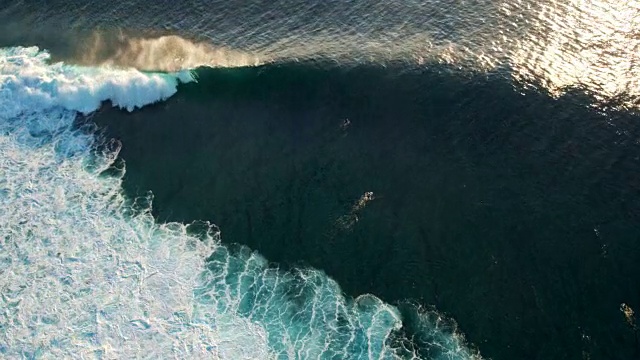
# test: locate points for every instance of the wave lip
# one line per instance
(86, 273)
(30, 85)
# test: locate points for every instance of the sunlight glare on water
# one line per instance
(590, 44)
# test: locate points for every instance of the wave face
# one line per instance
(85, 272)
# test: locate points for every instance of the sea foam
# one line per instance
(79, 277)
(85, 274)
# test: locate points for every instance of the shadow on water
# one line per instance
(515, 214)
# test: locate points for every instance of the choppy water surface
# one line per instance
(550, 44)
(464, 172)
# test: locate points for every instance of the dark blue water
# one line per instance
(514, 214)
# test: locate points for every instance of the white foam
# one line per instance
(30, 84)
(78, 277)
(83, 275)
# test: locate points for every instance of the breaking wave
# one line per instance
(86, 272)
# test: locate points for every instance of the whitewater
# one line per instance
(87, 273)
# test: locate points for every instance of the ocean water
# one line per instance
(319, 180)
